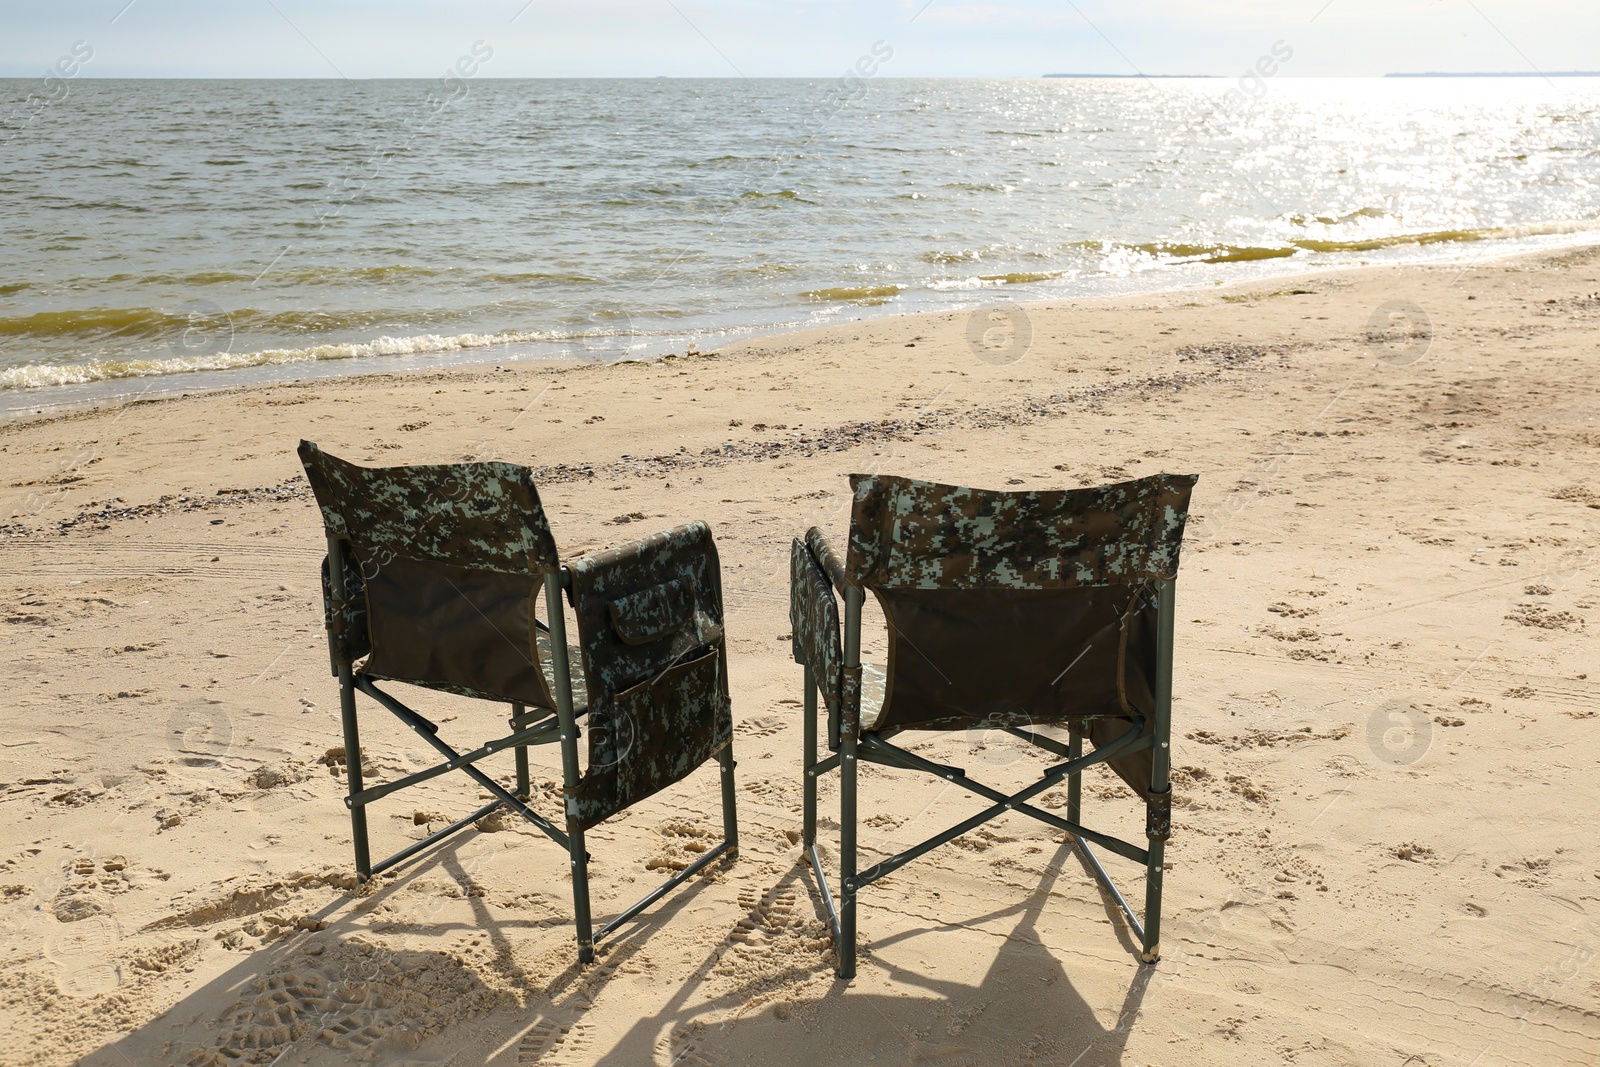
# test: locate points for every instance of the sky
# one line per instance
(789, 38)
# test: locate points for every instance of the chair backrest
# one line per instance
(447, 563)
(1009, 608)
(655, 664)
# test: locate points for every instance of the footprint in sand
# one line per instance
(370, 1003)
(543, 1039)
(89, 883)
(772, 928)
(573, 1048)
(761, 726)
(687, 1048)
(83, 954)
(685, 841)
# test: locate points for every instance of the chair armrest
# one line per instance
(650, 627)
(642, 606)
(647, 553)
(814, 620)
(830, 561)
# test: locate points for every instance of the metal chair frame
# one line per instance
(541, 727)
(851, 745)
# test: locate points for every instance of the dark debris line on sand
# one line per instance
(1221, 357)
(117, 510)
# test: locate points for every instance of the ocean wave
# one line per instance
(316, 275)
(1178, 252)
(1121, 255)
(1432, 237)
(985, 281)
(760, 198)
(99, 322)
(864, 294)
(38, 376)
(1338, 220)
(1022, 277)
(149, 323)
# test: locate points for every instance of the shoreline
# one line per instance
(46, 401)
(1395, 531)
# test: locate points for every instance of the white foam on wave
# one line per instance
(43, 375)
(951, 284)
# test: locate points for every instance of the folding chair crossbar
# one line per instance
(663, 889)
(433, 839)
(872, 749)
(827, 894)
(422, 728)
(878, 751)
(1049, 744)
(544, 733)
(1110, 887)
(1002, 804)
(824, 766)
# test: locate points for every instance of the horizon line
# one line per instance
(86, 76)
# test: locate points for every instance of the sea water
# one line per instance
(172, 233)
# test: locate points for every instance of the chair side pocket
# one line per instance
(653, 735)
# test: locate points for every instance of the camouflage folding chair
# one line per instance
(432, 578)
(1006, 612)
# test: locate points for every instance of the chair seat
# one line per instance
(547, 666)
(874, 679)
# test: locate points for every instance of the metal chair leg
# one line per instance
(1152, 903)
(847, 857)
(580, 895)
(1075, 780)
(808, 764)
(524, 782)
(730, 811)
(352, 763)
(570, 774)
(1158, 812)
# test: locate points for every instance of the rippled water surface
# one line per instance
(153, 228)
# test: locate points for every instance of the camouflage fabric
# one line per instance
(484, 516)
(909, 534)
(442, 568)
(650, 630)
(832, 566)
(874, 687)
(850, 702)
(814, 621)
(346, 622)
(574, 668)
(653, 735)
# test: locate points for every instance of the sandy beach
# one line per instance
(1385, 718)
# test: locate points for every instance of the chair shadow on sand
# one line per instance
(358, 1000)
(352, 998)
(1024, 1010)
